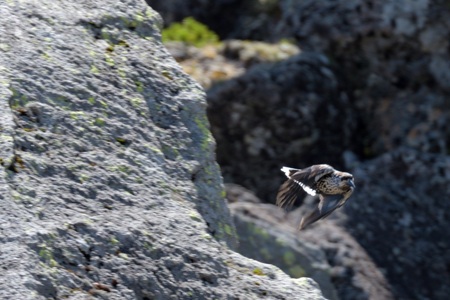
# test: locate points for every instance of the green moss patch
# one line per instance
(190, 31)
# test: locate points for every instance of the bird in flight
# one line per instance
(333, 187)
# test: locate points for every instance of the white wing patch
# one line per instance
(306, 188)
(286, 170)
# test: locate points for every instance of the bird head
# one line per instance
(347, 181)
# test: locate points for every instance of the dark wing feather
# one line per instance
(328, 203)
(288, 193)
(310, 175)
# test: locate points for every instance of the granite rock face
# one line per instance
(109, 185)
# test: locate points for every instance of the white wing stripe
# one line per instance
(306, 188)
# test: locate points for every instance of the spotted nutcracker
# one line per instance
(333, 187)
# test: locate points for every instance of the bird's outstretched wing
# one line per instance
(288, 194)
(328, 203)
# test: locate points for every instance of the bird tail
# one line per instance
(289, 171)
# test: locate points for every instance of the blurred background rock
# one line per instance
(361, 85)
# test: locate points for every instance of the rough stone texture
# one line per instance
(262, 238)
(393, 60)
(353, 272)
(109, 187)
(279, 114)
(400, 216)
(269, 234)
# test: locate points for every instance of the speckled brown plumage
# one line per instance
(333, 187)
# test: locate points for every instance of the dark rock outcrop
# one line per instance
(391, 58)
(279, 114)
(109, 186)
(400, 216)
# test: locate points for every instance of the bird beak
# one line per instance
(352, 184)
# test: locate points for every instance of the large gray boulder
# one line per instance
(109, 185)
